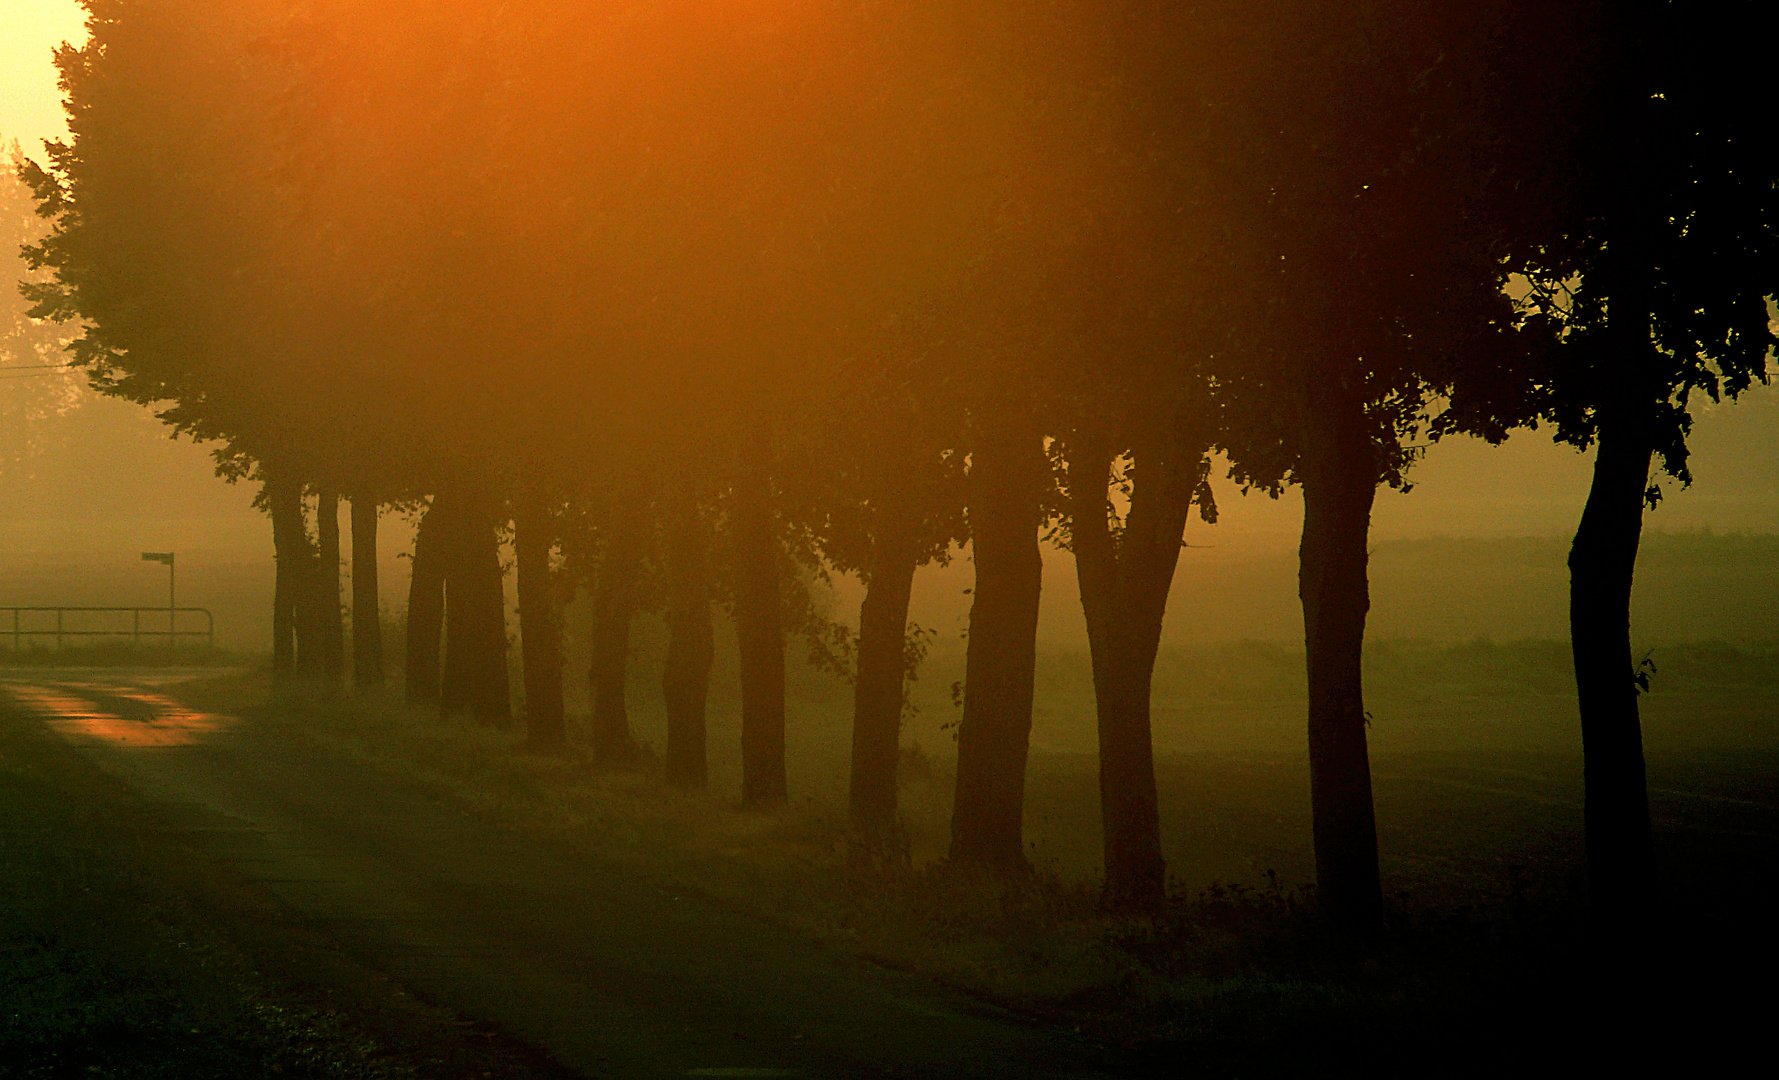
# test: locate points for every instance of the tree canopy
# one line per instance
(699, 291)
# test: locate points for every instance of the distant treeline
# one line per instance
(703, 299)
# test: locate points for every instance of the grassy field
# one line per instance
(1478, 792)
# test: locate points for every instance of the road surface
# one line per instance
(606, 974)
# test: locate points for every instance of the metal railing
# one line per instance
(61, 631)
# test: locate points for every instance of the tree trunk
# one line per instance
(614, 610)
(540, 632)
(311, 627)
(987, 821)
(882, 675)
(456, 540)
(1339, 474)
(490, 694)
(759, 628)
(691, 646)
(1124, 592)
(426, 608)
(367, 615)
(290, 548)
(1602, 570)
(1602, 563)
(327, 586)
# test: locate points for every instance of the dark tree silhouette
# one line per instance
(760, 573)
(1651, 256)
(1676, 263)
(626, 543)
(426, 608)
(1352, 153)
(1131, 317)
(283, 500)
(192, 272)
(474, 675)
(691, 646)
(540, 631)
(1125, 563)
(1007, 481)
(890, 491)
(327, 585)
(367, 615)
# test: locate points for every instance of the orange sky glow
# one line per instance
(30, 104)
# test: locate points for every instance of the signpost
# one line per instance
(166, 557)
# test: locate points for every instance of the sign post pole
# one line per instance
(165, 558)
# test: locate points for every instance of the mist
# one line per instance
(984, 539)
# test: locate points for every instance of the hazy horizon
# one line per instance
(106, 483)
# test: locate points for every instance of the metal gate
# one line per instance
(31, 623)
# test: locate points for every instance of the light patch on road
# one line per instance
(169, 723)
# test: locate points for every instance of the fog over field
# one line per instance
(1475, 550)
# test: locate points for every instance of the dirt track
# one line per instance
(608, 975)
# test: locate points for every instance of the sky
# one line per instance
(116, 485)
(30, 104)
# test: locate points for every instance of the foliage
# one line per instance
(1651, 267)
(783, 274)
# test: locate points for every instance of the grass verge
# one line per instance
(119, 653)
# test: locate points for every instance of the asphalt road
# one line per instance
(608, 975)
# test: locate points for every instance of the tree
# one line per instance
(367, 617)
(1650, 260)
(1036, 123)
(474, 674)
(760, 573)
(426, 610)
(888, 485)
(691, 646)
(540, 630)
(182, 242)
(1008, 479)
(1132, 323)
(625, 540)
(284, 501)
(1352, 155)
(1082, 334)
(1125, 563)
(327, 583)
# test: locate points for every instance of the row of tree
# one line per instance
(690, 296)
